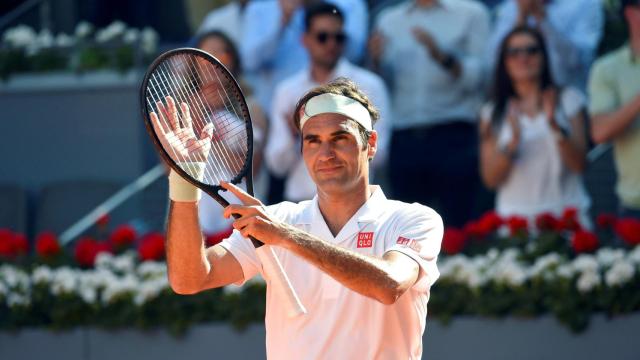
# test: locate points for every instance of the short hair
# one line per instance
(345, 87)
(318, 9)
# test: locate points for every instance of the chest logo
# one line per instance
(365, 239)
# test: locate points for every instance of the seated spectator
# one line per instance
(532, 134)
(431, 52)
(572, 30)
(222, 47)
(271, 48)
(614, 89)
(324, 39)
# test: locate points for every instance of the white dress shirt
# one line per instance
(572, 31)
(424, 93)
(282, 154)
(340, 323)
(270, 53)
(227, 19)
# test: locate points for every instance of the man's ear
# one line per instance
(373, 145)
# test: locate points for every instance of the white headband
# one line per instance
(337, 104)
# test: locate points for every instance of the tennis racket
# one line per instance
(198, 119)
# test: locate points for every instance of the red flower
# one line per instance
(628, 229)
(7, 245)
(87, 249)
(122, 236)
(103, 220)
(453, 241)
(216, 238)
(489, 222)
(584, 241)
(606, 221)
(569, 220)
(21, 244)
(546, 222)
(518, 225)
(47, 245)
(151, 247)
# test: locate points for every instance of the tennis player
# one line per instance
(361, 264)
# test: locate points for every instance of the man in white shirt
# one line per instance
(572, 30)
(431, 51)
(325, 40)
(362, 265)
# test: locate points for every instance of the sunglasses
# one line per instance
(525, 50)
(322, 37)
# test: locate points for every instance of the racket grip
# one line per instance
(280, 282)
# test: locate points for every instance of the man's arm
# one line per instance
(191, 266)
(383, 279)
(609, 125)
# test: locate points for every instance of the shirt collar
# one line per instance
(412, 6)
(342, 69)
(368, 212)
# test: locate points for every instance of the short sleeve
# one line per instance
(602, 94)
(419, 236)
(242, 249)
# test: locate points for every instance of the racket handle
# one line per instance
(280, 282)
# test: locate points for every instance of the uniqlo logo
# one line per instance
(365, 239)
(403, 241)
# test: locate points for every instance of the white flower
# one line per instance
(83, 29)
(586, 262)
(45, 39)
(124, 263)
(88, 294)
(566, 271)
(15, 278)
(149, 290)
(149, 40)
(64, 40)
(20, 36)
(232, 289)
(16, 299)
(131, 36)
(42, 275)
(3, 290)
(587, 281)
(634, 255)
(120, 286)
(607, 256)
(114, 30)
(103, 260)
(152, 269)
(65, 281)
(543, 264)
(620, 273)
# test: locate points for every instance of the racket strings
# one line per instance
(185, 80)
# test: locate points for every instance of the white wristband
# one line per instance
(180, 189)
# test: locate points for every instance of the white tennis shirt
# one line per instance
(340, 323)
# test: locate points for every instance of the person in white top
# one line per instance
(533, 136)
(226, 18)
(324, 39)
(362, 265)
(572, 30)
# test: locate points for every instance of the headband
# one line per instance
(336, 104)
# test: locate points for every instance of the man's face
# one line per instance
(334, 154)
(325, 40)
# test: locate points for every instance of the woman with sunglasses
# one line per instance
(532, 134)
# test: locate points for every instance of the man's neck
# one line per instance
(426, 3)
(634, 41)
(321, 74)
(337, 209)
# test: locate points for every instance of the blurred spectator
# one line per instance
(324, 39)
(571, 28)
(271, 48)
(222, 47)
(614, 89)
(533, 135)
(227, 19)
(432, 52)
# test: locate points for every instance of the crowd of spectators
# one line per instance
(473, 95)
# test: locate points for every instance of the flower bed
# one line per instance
(122, 282)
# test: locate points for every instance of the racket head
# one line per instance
(214, 98)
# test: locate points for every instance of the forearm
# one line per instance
(187, 262)
(379, 279)
(495, 164)
(607, 126)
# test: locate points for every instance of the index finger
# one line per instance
(240, 194)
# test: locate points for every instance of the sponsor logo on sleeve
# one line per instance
(365, 239)
(410, 243)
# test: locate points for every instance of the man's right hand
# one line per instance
(176, 133)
